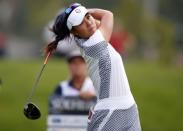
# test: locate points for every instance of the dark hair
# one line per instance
(60, 28)
(69, 60)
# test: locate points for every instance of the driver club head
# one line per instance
(31, 111)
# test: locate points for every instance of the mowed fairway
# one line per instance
(158, 91)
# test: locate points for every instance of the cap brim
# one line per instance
(76, 17)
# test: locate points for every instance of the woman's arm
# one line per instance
(106, 21)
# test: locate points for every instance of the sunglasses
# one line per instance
(71, 8)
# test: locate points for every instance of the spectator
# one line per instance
(79, 87)
(119, 38)
(2, 44)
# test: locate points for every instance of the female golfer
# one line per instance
(115, 109)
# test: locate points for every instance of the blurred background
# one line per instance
(147, 33)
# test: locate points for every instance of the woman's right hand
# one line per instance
(106, 21)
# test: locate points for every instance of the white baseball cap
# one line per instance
(76, 17)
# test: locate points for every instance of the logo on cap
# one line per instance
(78, 11)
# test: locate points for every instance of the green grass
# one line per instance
(157, 90)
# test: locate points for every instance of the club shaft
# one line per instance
(36, 83)
(38, 78)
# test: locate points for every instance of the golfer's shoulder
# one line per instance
(95, 38)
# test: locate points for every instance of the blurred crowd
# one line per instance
(149, 30)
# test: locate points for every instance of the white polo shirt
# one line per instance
(106, 70)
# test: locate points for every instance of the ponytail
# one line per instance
(51, 46)
(60, 30)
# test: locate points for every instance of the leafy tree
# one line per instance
(149, 31)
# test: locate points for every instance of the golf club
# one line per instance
(31, 111)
